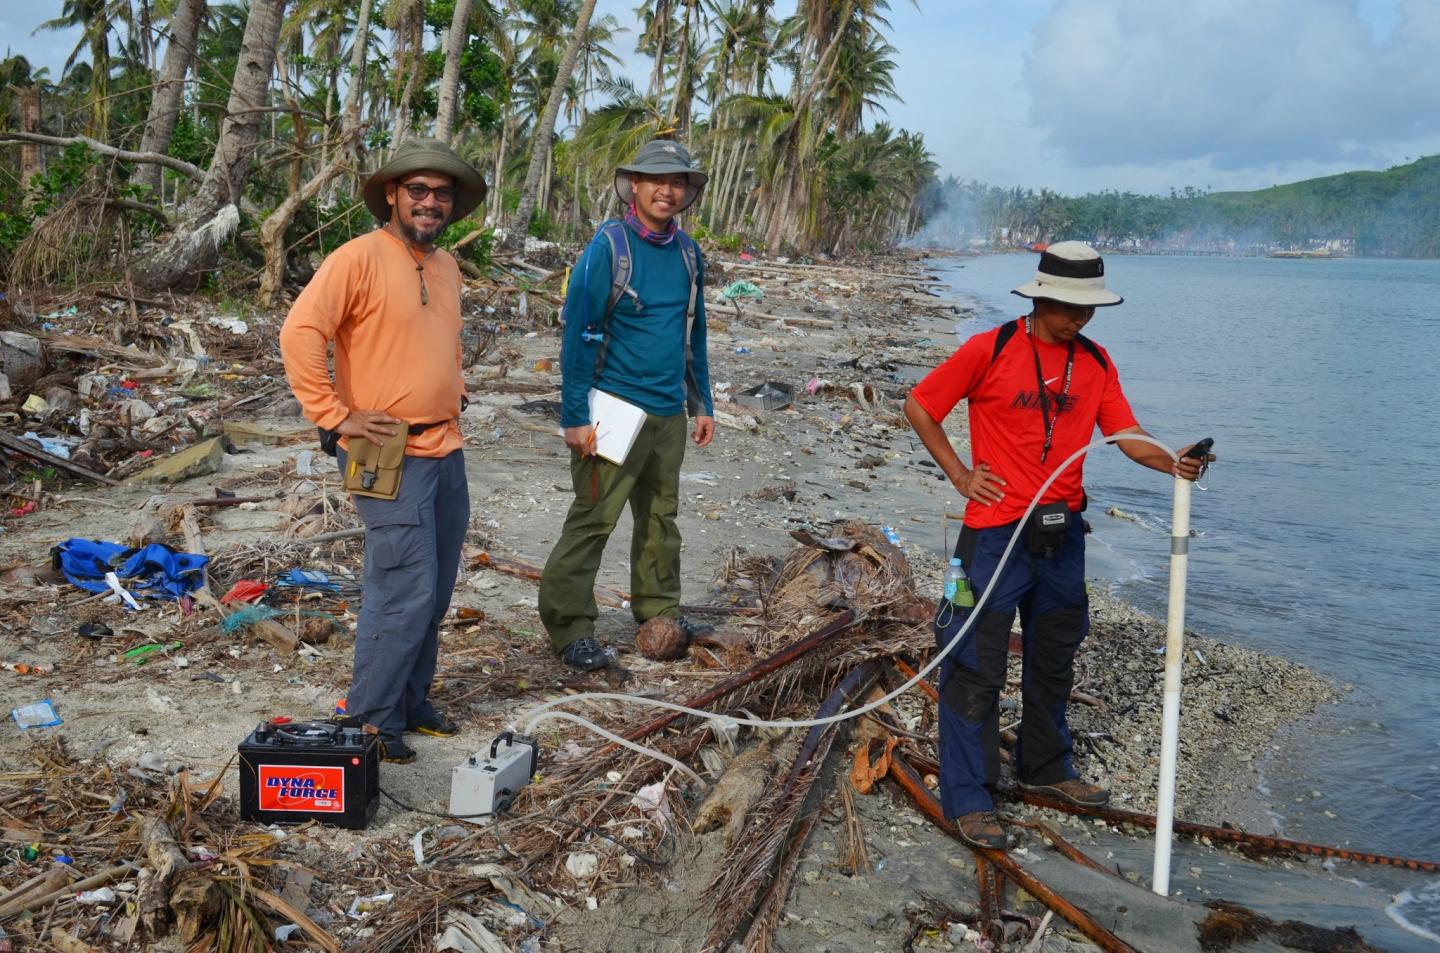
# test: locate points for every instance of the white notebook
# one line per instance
(617, 424)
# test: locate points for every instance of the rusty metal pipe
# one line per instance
(1230, 835)
(906, 777)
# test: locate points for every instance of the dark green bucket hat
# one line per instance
(660, 157)
(426, 155)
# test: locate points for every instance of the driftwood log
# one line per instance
(175, 888)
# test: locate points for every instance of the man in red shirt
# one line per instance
(1037, 388)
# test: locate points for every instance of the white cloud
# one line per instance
(1237, 84)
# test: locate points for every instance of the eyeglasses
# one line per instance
(417, 191)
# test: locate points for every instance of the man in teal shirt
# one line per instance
(646, 346)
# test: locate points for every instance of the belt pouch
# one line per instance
(374, 469)
(1049, 526)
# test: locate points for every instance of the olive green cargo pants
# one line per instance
(649, 480)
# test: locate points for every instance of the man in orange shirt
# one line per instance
(389, 301)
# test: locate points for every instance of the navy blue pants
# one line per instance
(412, 557)
(1054, 610)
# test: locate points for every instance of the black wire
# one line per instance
(453, 817)
(643, 858)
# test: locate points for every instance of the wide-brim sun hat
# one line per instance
(660, 157)
(426, 155)
(1071, 273)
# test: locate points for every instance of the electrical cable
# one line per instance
(450, 817)
(546, 711)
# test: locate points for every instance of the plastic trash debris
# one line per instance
(285, 932)
(94, 630)
(113, 582)
(28, 668)
(363, 905)
(235, 326)
(91, 897)
(305, 463)
(244, 590)
(154, 571)
(35, 404)
(771, 395)
(141, 653)
(741, 289)
(582, 865)
(308, 579)
(740, 350)
(39, 714)
(51, 445)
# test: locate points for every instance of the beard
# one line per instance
(423, 230)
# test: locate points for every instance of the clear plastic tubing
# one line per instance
(547, 710)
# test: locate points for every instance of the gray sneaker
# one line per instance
(585, 654)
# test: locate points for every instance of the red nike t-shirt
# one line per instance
(1007, 429)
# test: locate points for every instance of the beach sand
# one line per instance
(842, 453)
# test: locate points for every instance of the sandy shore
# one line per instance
(848, 343)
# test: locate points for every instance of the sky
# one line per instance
(1137, 95)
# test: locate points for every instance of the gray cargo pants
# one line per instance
(412, 557)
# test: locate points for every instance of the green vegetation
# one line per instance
(1395, 213)
(778, 102)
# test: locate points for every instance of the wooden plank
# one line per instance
(30, 450)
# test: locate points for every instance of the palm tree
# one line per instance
(96, 19)
(168, 99)
(545, 128)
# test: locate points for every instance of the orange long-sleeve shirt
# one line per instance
(391, 352)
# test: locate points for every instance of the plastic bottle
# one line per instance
(957, 585)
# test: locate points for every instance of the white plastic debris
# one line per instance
(582, 865)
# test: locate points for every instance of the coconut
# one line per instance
(661, 639)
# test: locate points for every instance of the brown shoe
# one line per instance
(1077, 792)
(982, 829)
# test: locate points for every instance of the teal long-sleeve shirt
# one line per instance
(645, 341)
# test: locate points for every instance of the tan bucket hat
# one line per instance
(660, 157)
(426, 155)
(1072, 273)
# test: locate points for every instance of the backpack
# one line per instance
(622, 269)
(1007, 331)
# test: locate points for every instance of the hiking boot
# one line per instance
(395, 751)
(436, 726)
(585, 654)
(693, 630)
(982, 829)
(1073, 791)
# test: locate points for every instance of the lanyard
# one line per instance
(1045, 393)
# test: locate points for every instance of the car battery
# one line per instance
(291, 772)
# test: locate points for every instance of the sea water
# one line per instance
(1319, 536)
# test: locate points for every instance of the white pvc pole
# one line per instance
(1174, 659)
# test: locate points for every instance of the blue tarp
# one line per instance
(155, 571)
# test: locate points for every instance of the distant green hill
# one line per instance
(1395, 213)
(1390, 213)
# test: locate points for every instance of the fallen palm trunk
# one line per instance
(906, 777)
(732, 894)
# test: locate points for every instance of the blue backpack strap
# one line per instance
(622, 268)
(690, 252)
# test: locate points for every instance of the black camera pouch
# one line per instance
(1049, 526)
(329, 440)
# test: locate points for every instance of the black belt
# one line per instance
(421, 428)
